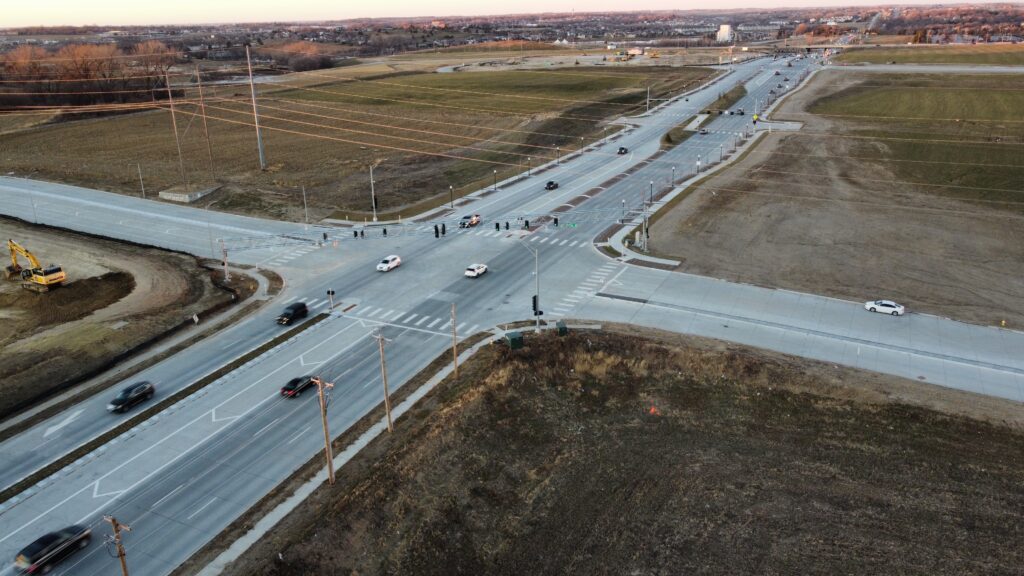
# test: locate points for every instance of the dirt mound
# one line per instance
(611, 454)
(69, 302)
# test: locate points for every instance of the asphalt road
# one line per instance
(182, 476)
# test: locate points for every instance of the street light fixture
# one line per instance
(451, 196)
(558, 154)
(529, 164)
(495, 180)
(536, 274)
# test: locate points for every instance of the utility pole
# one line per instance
(206, 129)
(384, 377)
(455, 344)
(320, 386)
(648, 98)
(174, 124)
(373, 194)
(117, 526)
(255, 112)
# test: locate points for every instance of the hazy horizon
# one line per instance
(184, 12)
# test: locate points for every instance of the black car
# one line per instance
(131, 396)
(623, 150)
(293, 312)
(295, 386)
(740, 112)
(551, 185)
(42, 555)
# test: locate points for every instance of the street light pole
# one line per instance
(305, 207)
(373, 196)
(495, 180)
(721, 152)
(451, 196)
(528, 165)
(673, 176)
(558, 154)
(536, 274)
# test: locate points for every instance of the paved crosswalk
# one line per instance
(549, 237)
(586, 289)
(283, 259)
(410, 319)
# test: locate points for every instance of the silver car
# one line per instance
(885, 307)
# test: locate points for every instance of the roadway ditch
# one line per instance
(152, 410)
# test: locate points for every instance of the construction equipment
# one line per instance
(37, 278)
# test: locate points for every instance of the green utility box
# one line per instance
(515, 340)
(562, 328)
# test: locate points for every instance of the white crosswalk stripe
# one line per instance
(320, 305)
(543, 240)
(573, 243)
(409, 318)
(459, 327)
(289, 300)
(375, 312)
(312, 302)
(422, 320)
(472, 330)
(431, 325)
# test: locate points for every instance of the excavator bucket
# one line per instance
(12, 272)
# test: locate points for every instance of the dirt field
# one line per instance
(861, 207)
(118, 296)
(322, 130)
(615, 454)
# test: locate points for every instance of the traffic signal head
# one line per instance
(535, 305)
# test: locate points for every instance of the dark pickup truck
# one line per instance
(293, 312)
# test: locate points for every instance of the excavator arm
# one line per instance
(16, 249)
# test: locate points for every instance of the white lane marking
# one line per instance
(312, 302)
(265, 428)
(543, 240)
(459, 327)
(534, 239)
(288, 300)
(201, 508)
(300, 434)
(169, 494)
(57, 427)
(320, 305)
(386, 314)
(375, 312)
(555, 314)
(562, 243)
(422, 320)
(573, 243)
(362, 311)
(481, 232)
(563, 309)
(409, 318)
(431, 325)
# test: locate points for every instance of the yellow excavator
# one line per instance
(37, 278)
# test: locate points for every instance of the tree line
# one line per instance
(82, 74)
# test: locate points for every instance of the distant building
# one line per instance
(438, 24)
(725, 33)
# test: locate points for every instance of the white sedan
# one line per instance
(476, 270)
(885, 307)
(389, 263)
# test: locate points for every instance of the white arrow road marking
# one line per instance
(57, 427)
(96, 491)
(302, 360)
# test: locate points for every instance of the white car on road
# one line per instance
(476, 270)
(885, 307)
(389, 263)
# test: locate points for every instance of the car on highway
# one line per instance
(48, 550)
(389, 263)
(777, 73)
(623, 150)
(476, 270)
(292, 312)
(295, 386)
(132, 395)
(885, 307)
(551, 185)
(469, 221)
(703, 130)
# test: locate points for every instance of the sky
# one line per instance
(121, 12)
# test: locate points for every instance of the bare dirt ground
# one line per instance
(835, 227)
(118, 296)
(641, 452)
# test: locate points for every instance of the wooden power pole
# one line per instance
(117, 526)
(320, 386)
(384, 377)
(455, 343)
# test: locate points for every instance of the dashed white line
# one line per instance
(299, 435)
(203, 507)
(169, 494)
(265, 428)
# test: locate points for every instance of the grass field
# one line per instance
(320, 131)
(968, 134)
(1005, 54)
(617, 453)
